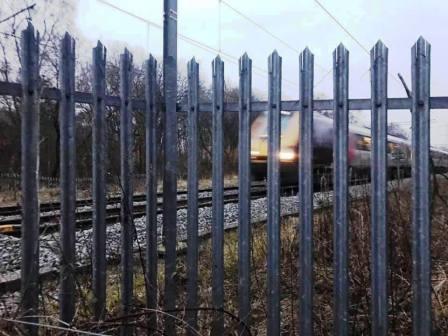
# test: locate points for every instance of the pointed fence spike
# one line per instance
(217, 196)
(421, 197)
(379, 234)
(305, 198)
(244, 184)
(99, 181)
(273, 182)
(67, 126)
(29, 178)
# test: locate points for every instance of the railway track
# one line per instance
(16, 210)
(50, 212)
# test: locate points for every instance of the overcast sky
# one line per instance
(298, 23)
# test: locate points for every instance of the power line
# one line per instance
(286, 44)
(320, 81)
(267, 31)
(191, 41)
(342, 27)
(273, 36)
(29, 10)
(348, 33)
(18, 13)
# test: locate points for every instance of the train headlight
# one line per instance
(287, 155)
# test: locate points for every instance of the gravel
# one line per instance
(10, 256)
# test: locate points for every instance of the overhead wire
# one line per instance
(17, 13)
(256, 24)
(29, 10)
(342, 26)
(271, 34)
(192, 41)
(333, 17)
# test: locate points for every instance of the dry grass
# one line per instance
(400, 299)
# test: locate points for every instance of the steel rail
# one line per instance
(50, 222)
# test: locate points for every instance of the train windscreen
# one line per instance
(260, 125)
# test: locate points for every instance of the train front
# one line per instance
(259, 145)
(289, 126)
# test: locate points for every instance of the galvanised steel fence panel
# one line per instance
(218, 195)
(99, 180)
(68, 179)
(379, 238)
(151, 140)
(170, 158)
(340, 181)
(193, 211)
(53, 94)
(306, 283)
(421, 221)
(126, 171)
(30, 157)
(244, 184)
(420, 103)
(273, 201)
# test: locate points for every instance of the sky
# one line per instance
(232, 27)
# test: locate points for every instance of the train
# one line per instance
(359, 149)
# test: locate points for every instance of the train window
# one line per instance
(391, 147)
(261, 124)
(364, 143)
(285, 118)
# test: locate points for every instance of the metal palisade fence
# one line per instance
(379, 104)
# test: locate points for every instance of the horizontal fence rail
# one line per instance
(15, 90)
(420, 104)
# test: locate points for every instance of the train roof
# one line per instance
(364, 131)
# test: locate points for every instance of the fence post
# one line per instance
(192, 225)
(30, 171)
(340, 179)
(273, 219)
(127, 221)
(99, 180)
(151, 188)
(170, 159)
(67, 126)
(421, 225)
(378, 61)
(244, 197)
(218, 195)
(306, 192)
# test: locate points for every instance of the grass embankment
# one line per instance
(399, 280)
